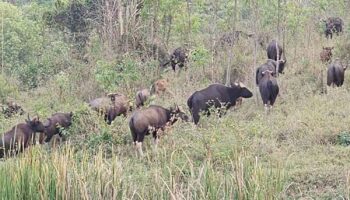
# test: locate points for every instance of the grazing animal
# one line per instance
(272, 50)
(141, 97)
(178, 58)
(18, 138)
(335, 73)
(111, 106)
(150, 121)
(268, 88)
(326, 54)
(333, 25)
(11, 108)
(53, 124)
(216, 95)
(269, 65)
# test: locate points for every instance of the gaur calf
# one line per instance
(53, 125)
(150, 121)
(216, 95)
(272, 49)
(20, 136)
(141, 97)
(111, 106)
(326, 54)
(268, 88)
(335, 73)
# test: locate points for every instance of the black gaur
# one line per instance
(268, 88)
(335, 73)
(269, 65)
(20, 136)
(53, 125)
(333, 25)
(216, 95)
(150, 121)
(272, 49)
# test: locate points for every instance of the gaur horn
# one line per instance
(241, 85)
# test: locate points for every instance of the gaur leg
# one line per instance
(41, 138)
(195, 115)
(140, 138)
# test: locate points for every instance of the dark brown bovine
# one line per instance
(150, 121)
(326, 54)
(11, 108)
(20, 136)
(111, 106)
(178, 58)
(268, 88)
(141, 97)
(53, 125)
(335, 73)
(333, 25)
(272, 50)
(216, 95)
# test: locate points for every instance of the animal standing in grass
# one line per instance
(216, 95)
(20, 136)
(53, 125)
(268, 88)
(150, 121)
(275, 52)
(269, 65)
(326, 54)
(333, 25)
(178, 58)
(141, 97)
(111, 106)
(335, 73)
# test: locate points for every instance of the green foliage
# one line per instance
(111, 75)
(343, 138)
(7, 89)
(27, 54)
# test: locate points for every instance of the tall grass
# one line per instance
(63, 174)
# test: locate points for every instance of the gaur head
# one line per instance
(112, 96)
(244, 91)
(176, 113)
(35, 124)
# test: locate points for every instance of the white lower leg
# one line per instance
(155, 142)
(139, 148)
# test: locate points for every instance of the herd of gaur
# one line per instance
(155, 119)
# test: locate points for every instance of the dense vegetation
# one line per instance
(58, 54)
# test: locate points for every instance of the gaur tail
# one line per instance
(189, 102)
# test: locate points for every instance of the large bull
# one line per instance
(20, 136)
(275, 52)
(268, 88)
(53, 125)
(216, 95)
(150, 121)
(335, 73)
(111, 106)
